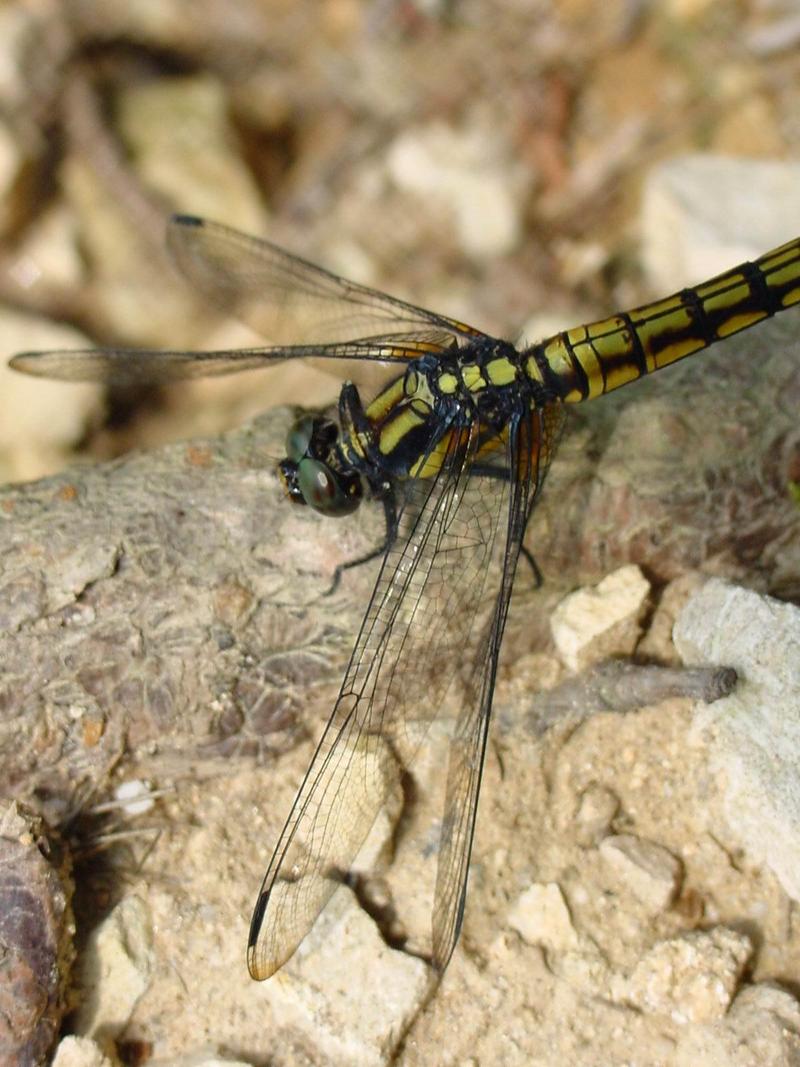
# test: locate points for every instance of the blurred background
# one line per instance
(484, 159)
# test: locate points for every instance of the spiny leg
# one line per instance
(390, 517)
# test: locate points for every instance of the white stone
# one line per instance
(80, 1052)
(198, 1059)
(179, 132)
(593, 623)
(541, 917)
(648, 870)
(51, 250)
(17, 22)
(703, 214)
(596, 810)
(761, 1029)
(691, 978)
(39, 420)
(468, 172)
(754, 734)
(320, 992)
(115, 969)
(9, 161)
(135, 796)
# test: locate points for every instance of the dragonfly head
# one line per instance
(312, 472)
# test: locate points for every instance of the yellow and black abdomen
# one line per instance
(590, 360)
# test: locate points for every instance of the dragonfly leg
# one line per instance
(387, 498)
(530, 559)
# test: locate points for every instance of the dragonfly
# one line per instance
(456, 446)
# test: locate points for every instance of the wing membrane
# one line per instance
(284, 297)
(124, 366)
(531, 442)
(411, 640)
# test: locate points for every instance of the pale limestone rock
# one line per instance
(180, 142)
(50, 253)
(39, 420)
(115, 969)
(754, 734)
(468, 173)
(15, 28)
(585, 970)
(134, 796)
(10, 163)
(183, 145)
(762, 1029)
(594, 623)
(198, 1059)
(541, 917)
(691, 978)
(596, 811)
(320, 993)
(80, 1052)
(648, 870)
(689, 235)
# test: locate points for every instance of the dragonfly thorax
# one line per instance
(486, 381)
(473, 373)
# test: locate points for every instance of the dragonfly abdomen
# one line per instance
(597, 358)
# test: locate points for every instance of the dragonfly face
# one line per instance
(468, 425)
(314, 473)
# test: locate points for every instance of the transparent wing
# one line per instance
(286, 298)
(531, 442)
(411, 641)
(130, 366)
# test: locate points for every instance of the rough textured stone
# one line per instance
(80, 1052)
(594, 816)
(754, 207)
(541, 917)
(40, 421)
(761, 1028)
(591, 624)
(754, 734)
(691, 978)
(485, 193)
(115, 969)
(648, 870)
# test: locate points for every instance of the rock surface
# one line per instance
(754, 734)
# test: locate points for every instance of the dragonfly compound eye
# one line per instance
(298, 440)
(313, 436)
(326, 490)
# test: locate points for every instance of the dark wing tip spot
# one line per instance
(186, 220)
(258, 918)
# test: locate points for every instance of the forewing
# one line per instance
(134, 366)
(530, 444)
(411, 640)
(286, 298)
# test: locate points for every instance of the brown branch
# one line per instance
(167, 605)
(619, 687)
